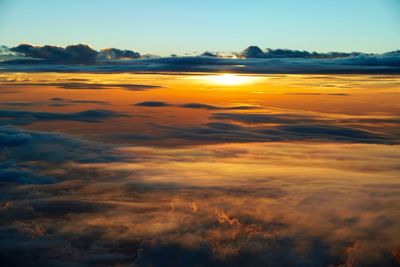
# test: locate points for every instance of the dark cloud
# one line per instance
(288, 129)
(66, 201)
(251, 60)
(169, 254)
(9, 92)
(19, 103)
(152, 104)
(290, 118)
(63, 101)
(335, 94)
(89, 86)
(256, 52)
(383, 64)
(123, 137)
(23, 145)
(194, 106)
(54, 102)
(114, 53)
(73, 54)
(199, 106)
(332, 132)
(6, 54)
(5, 51)
(27, 117)
(130, 87)
(391, 59)
(252, 52)
(212, 107)
(190, 206)
(209, 54)
(349, 65)
(266, 118)
(11, 172)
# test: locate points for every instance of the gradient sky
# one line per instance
(177, 26)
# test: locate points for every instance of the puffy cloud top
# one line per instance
(114, 53)
(72, 54)
(252, 52)
(256, 52)
(209, 54)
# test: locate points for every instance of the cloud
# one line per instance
(371, 64)
(266, 118)
(256, 52)
(27, 117)
(252, 52)
(290, 118)
(114, 53)
(5, 51)
(13, 173)
(54, 102)
(9, 92)
(335, 94)
(152, 104)
(194, 106)
(23, 145)
(332, 132)
(391, 59)
(63, 101)
(184, 200)
(279, 127)
(251, 60)
(72, 54)
(212, 107)
(6, 54)
(209, 54)
(19, 103)
(89, 86)
(349, 65)
(138, 211)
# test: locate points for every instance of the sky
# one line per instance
(176, 26)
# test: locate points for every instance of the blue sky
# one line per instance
(181, 26)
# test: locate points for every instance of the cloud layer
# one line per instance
(221, 205)
(256, 52)
(194, 106)
(19, 117)
(199, 175)
(251, 60)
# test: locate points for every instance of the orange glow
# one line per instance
(228, 79)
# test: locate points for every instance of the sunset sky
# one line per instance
(199, 133)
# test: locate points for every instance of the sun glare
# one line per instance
(226, 79)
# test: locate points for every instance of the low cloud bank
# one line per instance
(72, 54)
(82, 58)
(256, 52)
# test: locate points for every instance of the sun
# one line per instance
(226, 79)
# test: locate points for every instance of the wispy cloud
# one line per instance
(194, 106)
(87, 86)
